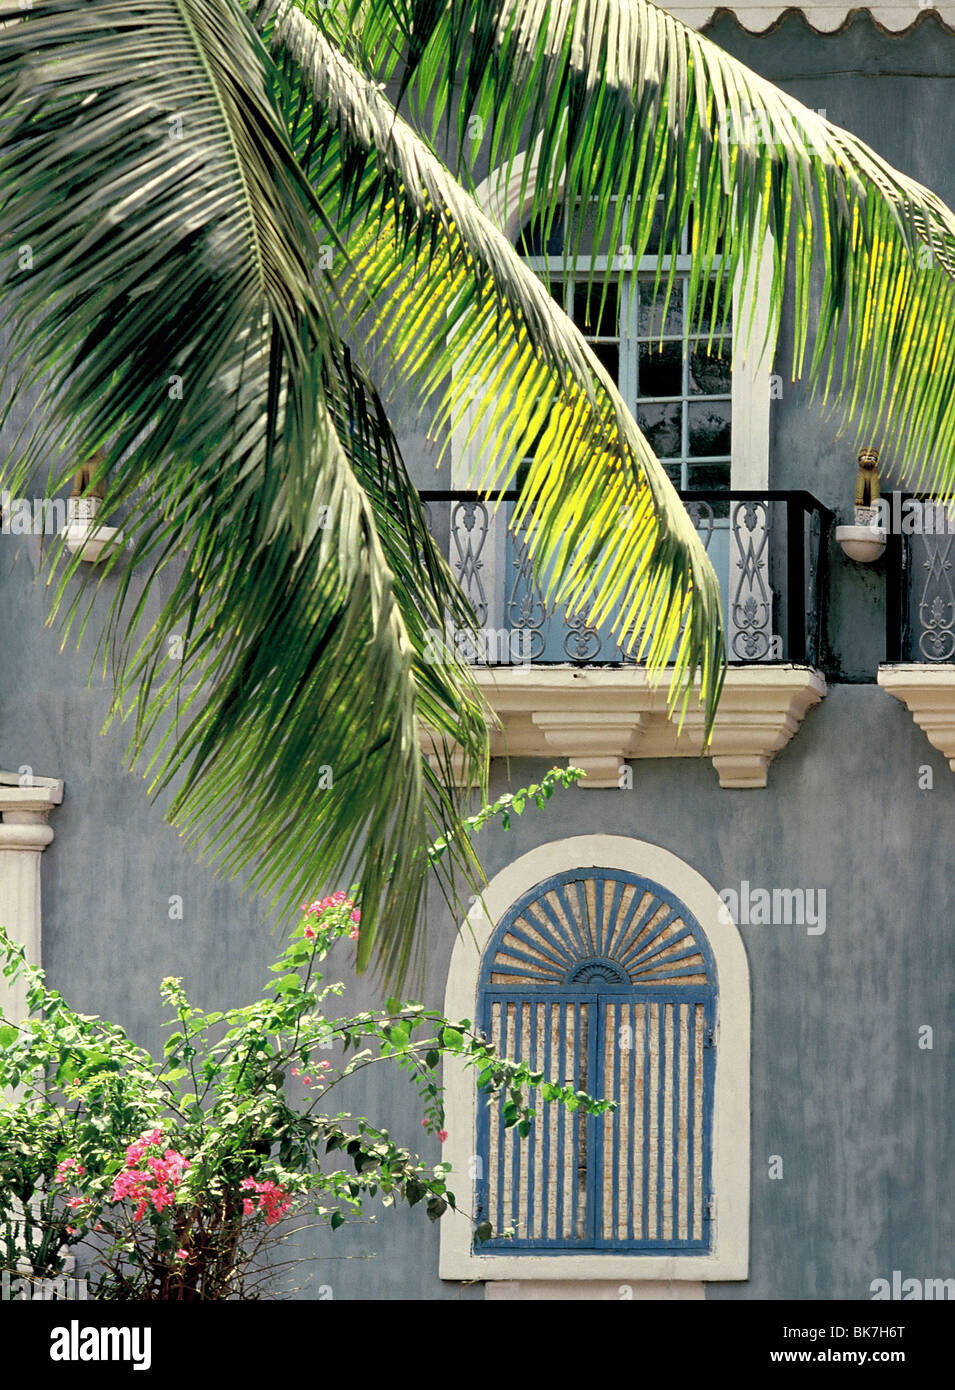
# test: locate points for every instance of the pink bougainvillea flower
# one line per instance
(310, 932)
(71, 1230)
(442, 1135)
(74, 1202)
(273, 1201)
(323, 1066)
(307, 1080)
(295, 1071)
(182, 1254)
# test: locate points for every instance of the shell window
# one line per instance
(601, 980)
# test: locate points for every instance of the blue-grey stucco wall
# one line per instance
(841, 1091)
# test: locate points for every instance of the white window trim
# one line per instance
(729, 1258)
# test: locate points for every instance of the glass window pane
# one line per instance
(662, 425)
(709, 424)
(609, 355)
(709, 305)
(598, 321)
(534, 240)
(587, 213)
(661, 369)
(708, 477)
(651, 321)
(710, 373)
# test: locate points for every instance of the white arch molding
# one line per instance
(729, 1257)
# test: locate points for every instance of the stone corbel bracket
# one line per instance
(928, 692)
(598, 718)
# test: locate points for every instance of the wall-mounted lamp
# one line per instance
(84, 536)
(864, 541)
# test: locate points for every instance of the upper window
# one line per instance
(677, 382)
(601, 980)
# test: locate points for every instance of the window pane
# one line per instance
(709, 423)
(650, 316)
(609, 355)
(708, 477)
(662, 426)
(588, 215)
(533, 240)
(709, 306)
(710, 374)
(661, 370)
(596, 320)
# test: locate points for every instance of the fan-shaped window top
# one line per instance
(597, 926)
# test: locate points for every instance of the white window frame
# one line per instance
(729, 1257)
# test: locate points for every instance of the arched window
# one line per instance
(601, 980)
(609, 964)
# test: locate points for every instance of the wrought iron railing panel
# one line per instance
(920, 584)
(768, 550)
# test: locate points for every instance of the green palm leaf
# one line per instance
(619, 97)
(456, 313)
(169, 310)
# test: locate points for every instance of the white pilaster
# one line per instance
(24, 835)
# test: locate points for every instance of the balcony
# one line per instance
(560, 686)
(920, 614)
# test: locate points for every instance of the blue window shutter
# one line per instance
(601, 981)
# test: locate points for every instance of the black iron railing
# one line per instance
(919, 592)
(768, 548)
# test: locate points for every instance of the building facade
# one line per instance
(750, 948)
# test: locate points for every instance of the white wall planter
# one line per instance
(864, 544)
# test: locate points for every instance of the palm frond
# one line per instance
(170, 311)
(457, 314)
(631, 111)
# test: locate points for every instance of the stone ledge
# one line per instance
(597, 718)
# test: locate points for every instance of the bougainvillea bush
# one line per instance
(174, 1178)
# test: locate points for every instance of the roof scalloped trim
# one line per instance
(824, 17)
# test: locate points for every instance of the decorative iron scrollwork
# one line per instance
(937, 603)
(468, 544)
(751, 608)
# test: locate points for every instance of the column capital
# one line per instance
(25, 804)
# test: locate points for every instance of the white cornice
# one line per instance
(597, 718)
(928, 692)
